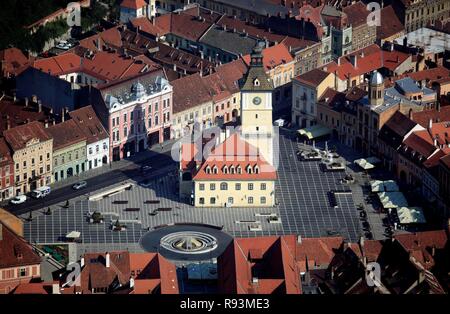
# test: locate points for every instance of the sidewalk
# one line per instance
(116, 165)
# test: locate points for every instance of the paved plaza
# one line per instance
(303, 196)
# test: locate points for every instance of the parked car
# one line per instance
(41, 192)
(64, 45)
(19, 199)
(79, 185)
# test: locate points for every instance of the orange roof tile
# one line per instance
(273, 56)
(133, 4)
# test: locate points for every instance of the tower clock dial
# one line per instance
(256, 100)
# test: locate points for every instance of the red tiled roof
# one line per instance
(15, 251)
(235, 152)
(103, 65)
(367, 60)
(434, 160)
(19, 136)
(446, 161)
(316, 251)
(423, 117)
(5, 154)
(357, 13)
(312, 78)
(110, 36)
(189, 91)
(12, 61)
(420, 245)
(33, 288)
(65, 134)
(273, 56)
(390, 23)
(276, 271)
(432, 74)
(18, 114)
(89, 124)
(147, 26)
(133, 4)
(420, 142)
(183, 25)
(371, 249)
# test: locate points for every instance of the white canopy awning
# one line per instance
(364, 164)
(377, 186)
(73, 235)
(392, 199)
(410, 215)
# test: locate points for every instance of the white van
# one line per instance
(41, 192)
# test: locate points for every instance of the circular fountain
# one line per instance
(186, 242)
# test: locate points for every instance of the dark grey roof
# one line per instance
(261, 7)
(228, 41)
(256, 72)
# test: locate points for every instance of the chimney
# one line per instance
(410, 115)
(54, 122)
(299, 239)
(154, 20)
(430, 124)
(39, 106)
(107, 262)
(82, 262)
(26, 102)
(62, 114)
(46, 124)
(97, 44)
(34, 98)
(14, 97)
(131, 282)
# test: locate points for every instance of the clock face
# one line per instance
(257, 100)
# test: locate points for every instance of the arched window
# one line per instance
(256, 82)
(223, 186)
(256, 169)
(225, 169)
(232, 169)
(215, 170)
(208, 170)
(249, 169)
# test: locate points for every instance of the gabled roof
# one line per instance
(65, 134)
(273, 56)
(235, 152)
(356, 13)
(147, 26)
(420, 142)
(316, 252)
(183, 25)
(88, 122)
(313, 78)
(19, 136)
(269, 260)
(15, 251)
(395, 129)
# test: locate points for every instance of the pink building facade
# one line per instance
(139, 113)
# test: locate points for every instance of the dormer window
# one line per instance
(225, 169)
(215, 170)
(208, 170)
(232, 170)
(249, 169)
(256, 169)
(239, 170)
(256, 82)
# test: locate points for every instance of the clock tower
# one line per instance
(256, 106)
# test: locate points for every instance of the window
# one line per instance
(17, 166)
(238, 186)
(212, 186)
(263, 186)
(124, 117)
(250, 199)
(202, 201)
(201, 186)
(125, 131)
(90, 148)
(263, 199)
(230, 201)
(250, 186)
(22, 272)
(224, 186)
(24, 163)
